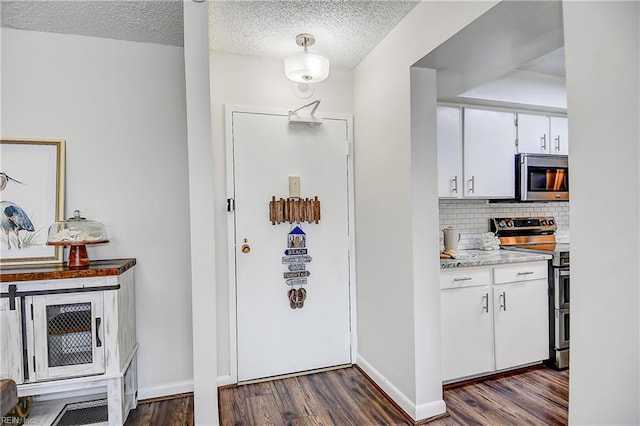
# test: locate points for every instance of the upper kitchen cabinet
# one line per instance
(449, 152)
(488, 153)
(559, 135)
(542, 134)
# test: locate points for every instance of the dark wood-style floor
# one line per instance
(533, 396)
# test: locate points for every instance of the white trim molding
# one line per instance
(166, 390)
(416, 412)
(226, 380)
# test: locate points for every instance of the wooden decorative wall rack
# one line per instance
(294, 210)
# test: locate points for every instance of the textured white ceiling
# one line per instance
(345, 30)
(148, 21)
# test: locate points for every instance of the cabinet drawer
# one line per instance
(465, 277)
(520, 272)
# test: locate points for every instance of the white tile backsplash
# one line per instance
(471, 217)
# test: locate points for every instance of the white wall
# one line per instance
(398, 301)
(602, 48)
(253, 81)
(121, 108)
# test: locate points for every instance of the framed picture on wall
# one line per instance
(32, 173)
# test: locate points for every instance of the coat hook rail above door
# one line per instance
(294, 210)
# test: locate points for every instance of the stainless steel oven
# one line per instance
(561, 287)
(542, 177)
(559, 327)
(561, 331)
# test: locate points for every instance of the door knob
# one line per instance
(245, 248)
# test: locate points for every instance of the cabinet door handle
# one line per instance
(503, 301)
(525, 273)
(462, 279)
(455, 184)
(485, 304)
(543, 140)
(472, 184)
(558, 143)
(98, 341)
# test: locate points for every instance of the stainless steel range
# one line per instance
(537, 234)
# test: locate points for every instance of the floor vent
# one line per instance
(83, 413)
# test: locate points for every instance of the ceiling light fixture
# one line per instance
(306, 67)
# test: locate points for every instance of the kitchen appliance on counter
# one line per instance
(537, 235)
(451, 239)
(542, 177)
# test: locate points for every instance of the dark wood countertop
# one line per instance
(96, 268)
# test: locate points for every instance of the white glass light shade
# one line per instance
(306, 67)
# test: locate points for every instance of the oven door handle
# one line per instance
(564, 273)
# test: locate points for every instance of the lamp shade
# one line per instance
(306, 67)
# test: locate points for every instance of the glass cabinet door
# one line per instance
(68, 335)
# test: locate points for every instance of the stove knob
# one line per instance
(502, 224)
(543, 222)
(510, 223)
(551, 222)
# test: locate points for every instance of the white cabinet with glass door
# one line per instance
(71, 330)
(68, 335)
(542, 134)
(489, 149)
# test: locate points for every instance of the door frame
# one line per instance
(229, 110)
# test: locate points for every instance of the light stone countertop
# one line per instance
(490, 257)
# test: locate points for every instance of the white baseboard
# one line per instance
(430, 409)
(176, 388)
(225, 380)
(416, 412)
(165, 390)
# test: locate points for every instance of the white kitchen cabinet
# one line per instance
(467, 325)
(559, 135)
(493, 318)
(488, 153)
(449, 152)
(66, 329)
(466, 329)
(542, 134)
(521, 320)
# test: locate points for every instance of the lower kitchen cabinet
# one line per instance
(466, 329)
(521, 323)
(493, 318)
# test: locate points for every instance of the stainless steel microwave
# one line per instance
(542, 177)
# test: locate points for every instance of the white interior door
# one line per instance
(272, 337)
